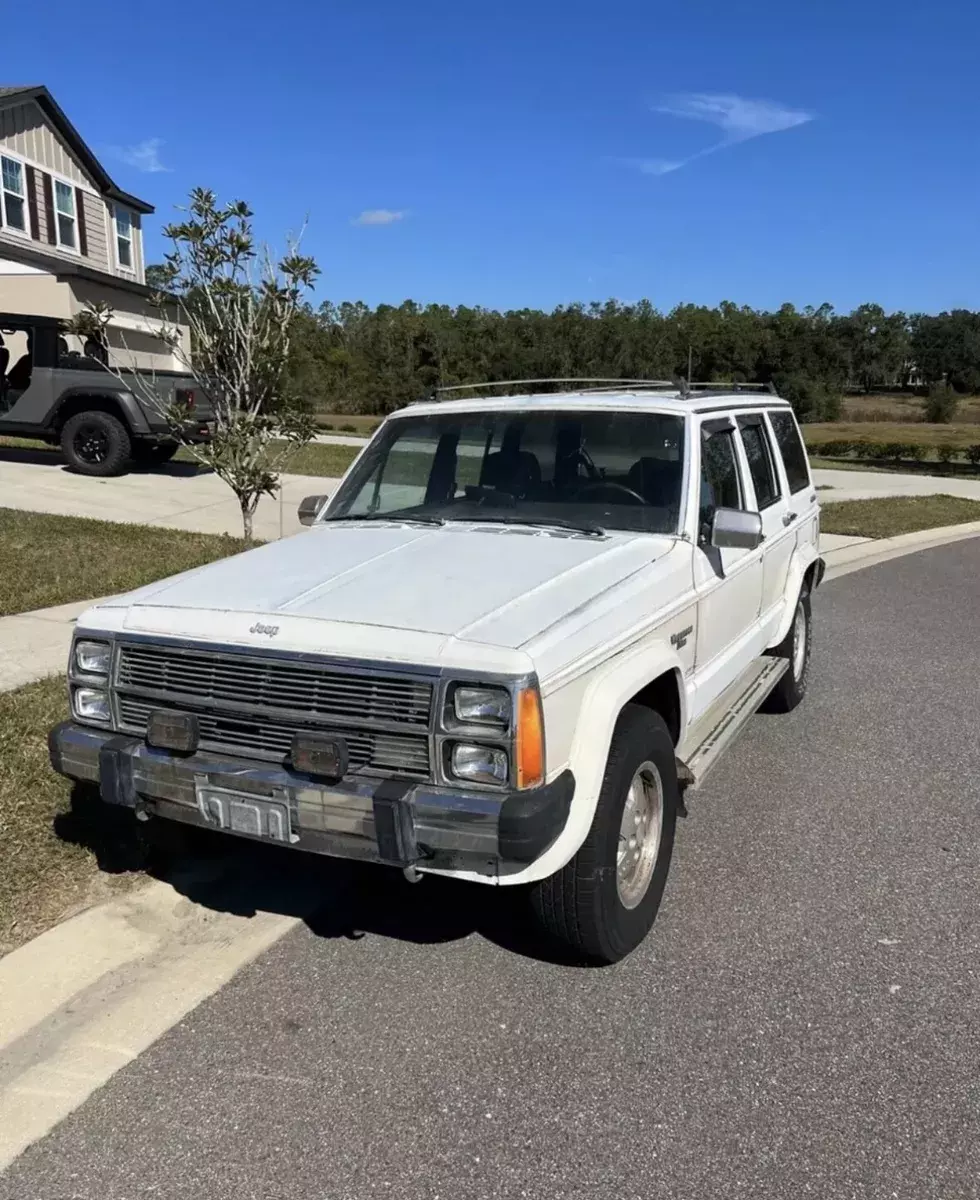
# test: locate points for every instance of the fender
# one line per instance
(601, 704)
(803, 558)
(127, 402)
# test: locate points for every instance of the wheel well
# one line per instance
(809, 575)
(662, 695)
(93, 403)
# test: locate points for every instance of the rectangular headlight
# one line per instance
(482, 705)
(90, 704)
(92, 658)
(479, 764)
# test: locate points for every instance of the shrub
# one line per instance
(833, 449)
(916, 451)
(973, 454)
(896, 451)
(872, 450)
(947, 453)
(941, 404)
(348, 429)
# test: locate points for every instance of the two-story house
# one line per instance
(68, 234)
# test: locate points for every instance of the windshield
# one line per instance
(587, 470)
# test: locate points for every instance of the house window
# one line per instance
(64, 203)
(124, 238)
(14, 207)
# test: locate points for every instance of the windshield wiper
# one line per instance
(544, 522)
(408, 518)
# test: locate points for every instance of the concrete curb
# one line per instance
(856, 557)
(90, 995)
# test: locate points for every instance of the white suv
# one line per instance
(517, 632)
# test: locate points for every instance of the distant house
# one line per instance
(68, 234)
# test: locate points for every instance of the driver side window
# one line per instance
(720, 484)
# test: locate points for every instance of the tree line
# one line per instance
(349, 357)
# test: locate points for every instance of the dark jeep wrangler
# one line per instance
(68, 397)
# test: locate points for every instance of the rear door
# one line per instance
(771, 500)
(803, 511)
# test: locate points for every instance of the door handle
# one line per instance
(789, 518)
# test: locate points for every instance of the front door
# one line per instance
(772, 504)
(728, 581)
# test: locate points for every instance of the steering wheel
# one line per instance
(600, 486)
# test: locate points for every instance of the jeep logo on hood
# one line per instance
(268, 630)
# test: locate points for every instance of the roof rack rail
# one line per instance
(438, 392)
(598, 386)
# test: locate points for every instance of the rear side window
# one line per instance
(720, 487)
(791, 448)
(761, 467)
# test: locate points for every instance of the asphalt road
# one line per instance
(804, 1020)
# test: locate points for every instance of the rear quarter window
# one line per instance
(791, 450)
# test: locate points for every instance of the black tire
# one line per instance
(791, 689)
(96, 443)
(154, 452)
(581, 906)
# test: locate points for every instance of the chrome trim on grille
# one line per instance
(253, 703)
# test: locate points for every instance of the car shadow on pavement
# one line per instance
(335, 898)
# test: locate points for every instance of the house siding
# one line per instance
(95, 234)
(24, 131)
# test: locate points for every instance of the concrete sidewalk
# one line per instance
(870, 485)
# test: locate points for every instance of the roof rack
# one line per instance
(599, 386)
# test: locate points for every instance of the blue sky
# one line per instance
(513, 154)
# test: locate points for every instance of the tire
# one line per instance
(589, 906)
(791, 689)
(154, 452)
(96, 443)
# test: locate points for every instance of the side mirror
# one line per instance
(309, 508)
(735, 528)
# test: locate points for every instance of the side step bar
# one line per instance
(715, 731)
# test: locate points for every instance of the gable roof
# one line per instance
(72, 138)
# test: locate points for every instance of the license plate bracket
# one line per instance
(264, 817)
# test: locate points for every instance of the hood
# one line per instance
(480, 583)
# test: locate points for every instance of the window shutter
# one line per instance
(32, 204)
(80, 221)
(49, 207)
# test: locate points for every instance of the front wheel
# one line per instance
(602, 904)
(796, 647)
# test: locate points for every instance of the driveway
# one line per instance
(177, 495)
(804, 1020)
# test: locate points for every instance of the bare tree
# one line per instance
(238, 302)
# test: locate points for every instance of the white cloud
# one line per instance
(379, 216)
(144, 156)
(738, 118)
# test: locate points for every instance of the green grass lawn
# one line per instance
(362, 426)
(47, 560)
(892, 515)
(313, 459)
(60, 851)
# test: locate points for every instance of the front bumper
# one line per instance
(390, 821)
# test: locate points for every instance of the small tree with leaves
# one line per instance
(239, 303)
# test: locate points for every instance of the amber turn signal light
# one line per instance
(530, 739)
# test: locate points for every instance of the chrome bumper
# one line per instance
(380, 821)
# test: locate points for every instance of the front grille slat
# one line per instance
(254, 708)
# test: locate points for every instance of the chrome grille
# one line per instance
(253, 706)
